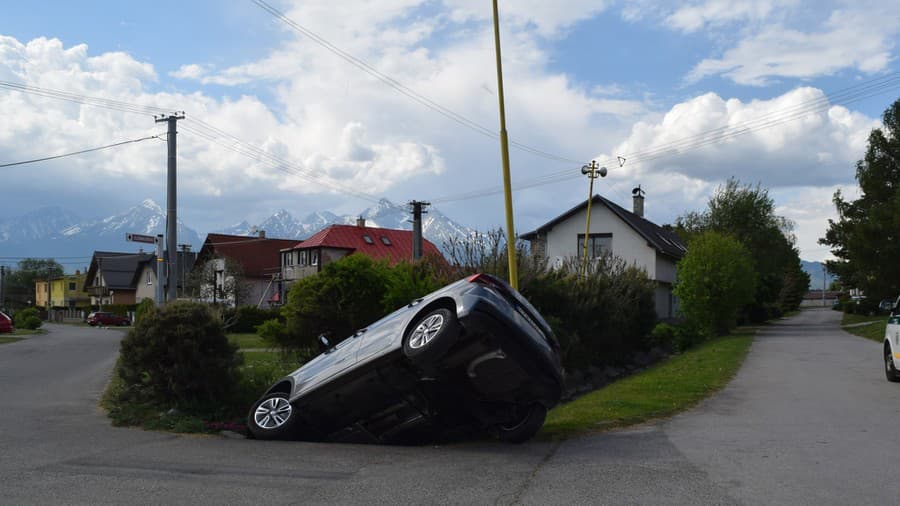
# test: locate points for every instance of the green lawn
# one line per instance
(247, 341)
(850, 319)
(4, 339)
(663, 390)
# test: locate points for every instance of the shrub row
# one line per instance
(599, 318)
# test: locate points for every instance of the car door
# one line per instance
(326, 366)
(385, 334)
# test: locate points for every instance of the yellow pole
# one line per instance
(504, 151)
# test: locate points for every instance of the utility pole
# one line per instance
(504, 153)
(185, 248)
(592, 172)
(171, 204)
(417, 212)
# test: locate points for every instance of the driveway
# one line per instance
(807, 420)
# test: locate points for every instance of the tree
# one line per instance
(747, 213)
(866, 236)
(715, 279)
(219, 280)
(20, 283)
(346, 296)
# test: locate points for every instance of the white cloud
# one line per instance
(695, 16)
(858, 37)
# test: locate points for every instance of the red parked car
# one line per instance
(6, 324)
(102, 318)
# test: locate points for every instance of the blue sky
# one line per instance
(584, 80)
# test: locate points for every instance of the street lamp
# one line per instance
(592, 172)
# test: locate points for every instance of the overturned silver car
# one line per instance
(472, 356)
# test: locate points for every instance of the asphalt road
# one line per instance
(808, 420)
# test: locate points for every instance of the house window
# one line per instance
(314, 257)
(597, 245)
(385, 240)
(149, 278)
(368, 239)
(302, 257)
(289, 258)
(71, 287)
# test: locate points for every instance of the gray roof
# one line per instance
(662, 240)
(119, 269)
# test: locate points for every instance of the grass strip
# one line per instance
(663, 390)
(5, 340)
(850, 319)
(248, 341)
(874, 332)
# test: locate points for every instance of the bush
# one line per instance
(178, 354)
(28, 318)
(600, 318)
(345, 296)
(715, 278)
(145, 307)
(245, 319)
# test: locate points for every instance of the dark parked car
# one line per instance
(6, 324)
(474, 355)
(102, 318)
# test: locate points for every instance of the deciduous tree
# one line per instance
(866, 236)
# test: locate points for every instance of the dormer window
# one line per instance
(368, 239)
(385, 240)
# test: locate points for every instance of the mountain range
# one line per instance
(57, 233)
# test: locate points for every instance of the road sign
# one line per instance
(149, 239)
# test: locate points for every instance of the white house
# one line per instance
(625, 234)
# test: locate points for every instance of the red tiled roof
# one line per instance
(259, 257)
(352, 237)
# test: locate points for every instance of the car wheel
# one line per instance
(529, 421)
(431, 336)
(272, 417)
(889, 370)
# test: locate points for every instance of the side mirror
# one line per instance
(324, 345)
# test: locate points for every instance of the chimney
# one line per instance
(637, 201)
(262, 234)
(361, 222)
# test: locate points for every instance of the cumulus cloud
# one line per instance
(325, 126)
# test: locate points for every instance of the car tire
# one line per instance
(890, 371)
(529, 422)
(431, 336)
(272, 417)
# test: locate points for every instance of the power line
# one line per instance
(80, 152)
(402, 88)
(718, 135)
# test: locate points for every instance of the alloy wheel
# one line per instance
(425, 332)
(272, 413)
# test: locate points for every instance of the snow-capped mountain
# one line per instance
(147, 218)
(36, 225)
(53, 232)
(436, 227)
(283, 225)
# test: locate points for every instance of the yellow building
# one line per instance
(62, 292)
(42, 294)
(68, 291)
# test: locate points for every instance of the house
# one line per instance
(112, 277)
(42, 293)
(68, 291)
(336, 241)
(625, 234)
(146, 280)
(257, 258)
